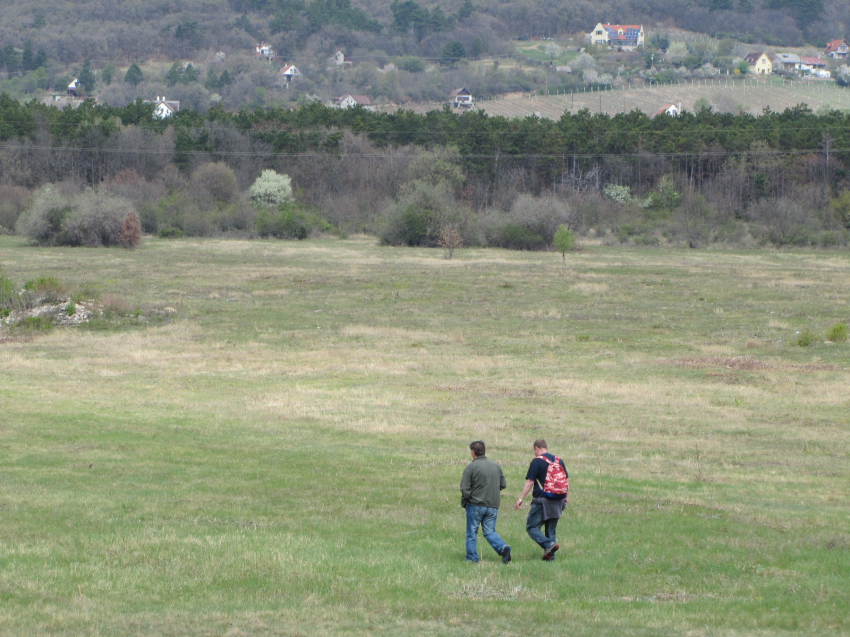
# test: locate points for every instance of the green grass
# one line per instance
(283, 455)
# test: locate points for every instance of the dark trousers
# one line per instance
(534, 523)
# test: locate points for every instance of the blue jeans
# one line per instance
(535, 521)
(485, 517)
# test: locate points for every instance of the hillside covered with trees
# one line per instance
(201, 53)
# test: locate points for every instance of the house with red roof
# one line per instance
(620, 36)
(289, 73)
(350, 101)
(811, 64)
(673, 110)
(837, 49)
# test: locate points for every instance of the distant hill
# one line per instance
(125, 31)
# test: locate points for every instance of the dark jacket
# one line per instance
(482, 480)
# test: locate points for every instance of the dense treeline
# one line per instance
(780, 177)
(124, 31)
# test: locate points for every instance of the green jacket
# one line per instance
(482, 480)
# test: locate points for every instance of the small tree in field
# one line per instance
(131, 232)
(564, 241)
(450, 239)
(271, 189)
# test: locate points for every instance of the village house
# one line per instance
(289, 73)
(350, 101)
(673, 110)
(786, 62)
(462, 98)
(264, 50)
(162, 107)
(837, 49)
(339, 59)
(759, 62)
(811, 65)
(621, 36)
(75, 88)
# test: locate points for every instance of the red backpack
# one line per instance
(557, 483)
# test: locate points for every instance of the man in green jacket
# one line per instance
(480, 495)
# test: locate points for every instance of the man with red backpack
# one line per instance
(547, 476)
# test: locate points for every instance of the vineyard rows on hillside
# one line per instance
(751, 96)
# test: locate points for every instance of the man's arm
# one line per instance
(529, 485)
(502, 482)
(466, 485)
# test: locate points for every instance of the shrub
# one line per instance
(514, 236)
(831, 238)
(419, 216)
(289, 221)
(216, 181)
(837, 333)
(131, 232)
(564, 241)
(13, 201)
(806, 338)
(43, 221)
(47, 288)
(410, 63)
(450, 240)
(97, 219)
(8, 295)
(170, 233)
(271, 189)
(37, 323)
(92, 218)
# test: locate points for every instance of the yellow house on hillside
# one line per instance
(759, 62)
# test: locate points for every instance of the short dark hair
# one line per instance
(540, 444)
(477, 448)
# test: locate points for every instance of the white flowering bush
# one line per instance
(553, 50)
(620, 194)
(271, 189)
(707, 70)
(583, 61)
(590, 76)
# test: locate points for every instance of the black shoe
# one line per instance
(549, 555)
(506, 554)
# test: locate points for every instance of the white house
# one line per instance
(289, 73)
(673, 110)
(339, 59)
(350, 101)
(621, 36)
(74, 88)
(462, 98)
(163, 108)
(837, 49)
(265, 51)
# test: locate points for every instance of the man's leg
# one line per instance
(473, 521)
(533, 524)
(550, 527)
(488, 526)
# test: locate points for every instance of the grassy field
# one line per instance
(724, 94)
(282, 456)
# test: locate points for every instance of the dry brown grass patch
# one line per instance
(749, 364)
